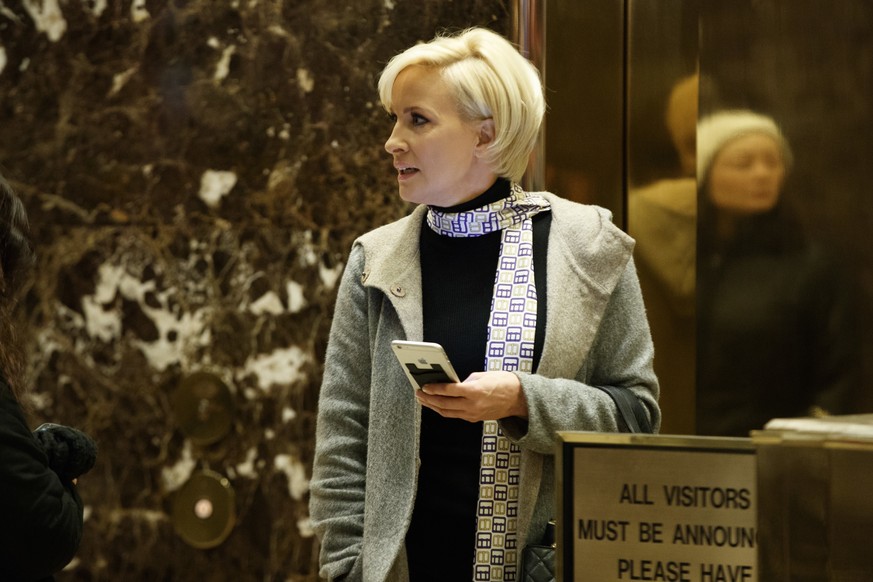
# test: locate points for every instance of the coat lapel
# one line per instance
(393, 265)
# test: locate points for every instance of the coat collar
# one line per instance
(587, 257)
(392, 264)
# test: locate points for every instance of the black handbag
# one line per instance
(538, 560)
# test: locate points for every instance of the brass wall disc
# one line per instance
(204, 510)
(203, 407)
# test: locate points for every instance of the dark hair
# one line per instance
(16, 265)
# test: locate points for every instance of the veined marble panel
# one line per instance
(195, 173)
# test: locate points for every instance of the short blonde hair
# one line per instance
(491, 79)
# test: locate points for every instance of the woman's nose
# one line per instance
(763, 169)
(394, 143)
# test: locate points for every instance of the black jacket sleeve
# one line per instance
(41, 513)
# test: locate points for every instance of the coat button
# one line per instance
(364, 276)
(398, 291)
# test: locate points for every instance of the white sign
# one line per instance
(671, 514)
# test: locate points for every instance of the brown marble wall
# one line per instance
(195, 173)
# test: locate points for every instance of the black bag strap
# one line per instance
(632, 416)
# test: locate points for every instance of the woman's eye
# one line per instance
(418, 119)
(742, 163)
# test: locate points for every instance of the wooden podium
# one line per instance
(815, 491)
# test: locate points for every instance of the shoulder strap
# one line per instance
(632, 416)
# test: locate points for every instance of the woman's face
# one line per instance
(437, 154)
(747, 175)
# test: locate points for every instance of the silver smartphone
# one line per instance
(424, 363)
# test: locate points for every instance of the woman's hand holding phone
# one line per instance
(482, 396)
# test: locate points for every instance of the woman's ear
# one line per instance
(486, 133)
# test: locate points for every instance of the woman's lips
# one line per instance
(406, 173)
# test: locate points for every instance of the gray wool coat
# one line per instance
(366, 463)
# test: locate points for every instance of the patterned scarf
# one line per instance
(511, 331)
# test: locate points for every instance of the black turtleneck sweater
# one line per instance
(457, 284)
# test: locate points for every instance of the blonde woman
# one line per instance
(535, 300)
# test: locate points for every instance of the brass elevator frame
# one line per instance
(611, 69)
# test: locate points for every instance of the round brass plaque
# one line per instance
(204, 510)
(203, 407)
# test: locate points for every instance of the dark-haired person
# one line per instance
(41, 511)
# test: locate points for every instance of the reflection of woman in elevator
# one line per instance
(773, 315)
